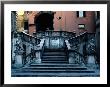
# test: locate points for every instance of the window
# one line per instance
(81, 14)
(26, 25)
(81, 26)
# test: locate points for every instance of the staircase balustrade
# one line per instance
(85, 45)
(80, 48)
(22, 58)
(63, 34)
(74, 56)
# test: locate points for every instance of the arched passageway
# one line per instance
(44, 21)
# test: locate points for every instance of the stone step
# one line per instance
(55, 68)
(54, 71)
(54, 53)
(54, 56)
(54, 65)
(54, 61)
(54, 50)
(53, 74)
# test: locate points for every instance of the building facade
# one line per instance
(71, 21)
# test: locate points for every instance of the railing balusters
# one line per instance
(24, 39)
(79, 43)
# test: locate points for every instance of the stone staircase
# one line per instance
(53, 70)
(54, 56)
(54, 64)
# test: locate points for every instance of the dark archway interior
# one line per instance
(44, 22)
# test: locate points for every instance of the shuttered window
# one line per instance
(81, 14)
(81, 26)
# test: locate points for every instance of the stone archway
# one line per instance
(44, 21)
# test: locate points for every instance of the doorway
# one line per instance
(44, 21)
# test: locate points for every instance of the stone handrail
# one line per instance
(64, 34)
(30, 39)
(21, 40)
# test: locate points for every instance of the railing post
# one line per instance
(18, 60)
(38, 56)
(70, 52)
(18, 52)
(39, 49)
(91, 62)
(91, 52)
(70, 56)
(91, 59)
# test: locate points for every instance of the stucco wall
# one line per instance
(68, 22)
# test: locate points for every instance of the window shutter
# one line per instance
(26, 25)
(84, 13)
(77, 13)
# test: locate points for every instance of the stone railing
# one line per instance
(74, 56)
(85, 45)
(85, 41)
(77, 42)
(23, 49)
(29, 38)
(63, 34)
(36, 58)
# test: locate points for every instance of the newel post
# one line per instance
(19, 59)
(18, 52)
(38, 50)
(70, 52)
(91, 53)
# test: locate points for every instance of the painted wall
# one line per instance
(68, 22)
